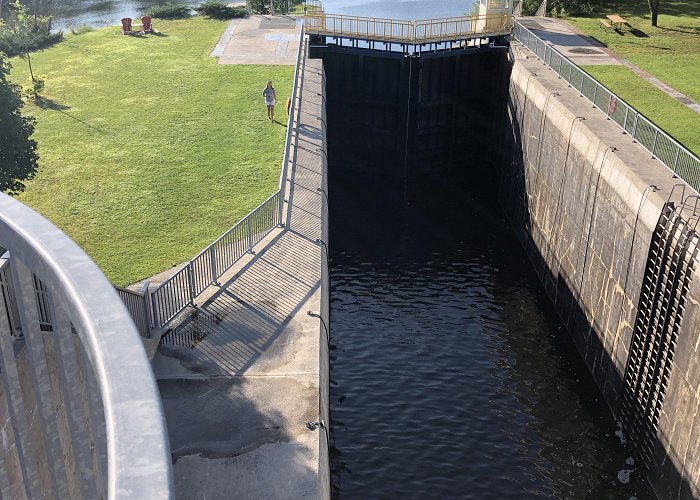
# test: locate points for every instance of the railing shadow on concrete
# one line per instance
(661, 145)
(80, 407)
(235, 326)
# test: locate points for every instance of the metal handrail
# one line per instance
(290, 122)
(179, 291)
(82, 300)
(408, 32)
(660, 144)
(137, 305)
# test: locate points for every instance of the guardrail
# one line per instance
(661, 145)
(290, 121)
(155, 309)
(137, 305)
(83, 414)
(180, 290)
(408, 32)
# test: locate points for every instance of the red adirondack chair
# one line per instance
(126, 26)
(146, 26)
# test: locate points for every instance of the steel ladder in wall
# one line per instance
(670, 264)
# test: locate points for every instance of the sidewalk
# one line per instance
(240, 380)
(583, 50)
(259, 40)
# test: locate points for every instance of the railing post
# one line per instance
(653, 148)
(595, 92)
(157, 323)
(151, 313)
(678, 154)
(190, 281)
(214, 272)
(250, 235)
(624, 124)
(147, 303)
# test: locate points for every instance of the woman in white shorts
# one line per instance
(270, 99)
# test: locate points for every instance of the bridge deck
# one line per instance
(239, 390)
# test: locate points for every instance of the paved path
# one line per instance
(244, 381)
(582, 50)
(259, 40)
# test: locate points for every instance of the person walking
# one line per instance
(270, 99)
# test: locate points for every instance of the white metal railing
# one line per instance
(661, 145)
(83, 414)
(408, 32)
(156, 308)
(181, 290)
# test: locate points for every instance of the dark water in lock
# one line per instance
(451, 376)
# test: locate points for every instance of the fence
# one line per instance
(155, 309)
(408, 32)
(181, 289)
(137, 305)
(661, 145)
(70, 382)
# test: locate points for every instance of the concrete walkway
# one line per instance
(240, 379)
(582, 50)
(259, 40)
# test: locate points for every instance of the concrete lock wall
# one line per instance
(578, 192)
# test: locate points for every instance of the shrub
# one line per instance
(18, 156)
(27, 35)
(169, 11)
(219, 10)
(263, 6)
(80, 29)
(34, 86)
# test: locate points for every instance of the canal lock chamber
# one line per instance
(451, 374)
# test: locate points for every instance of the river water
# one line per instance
(451, 376)
(98, 13)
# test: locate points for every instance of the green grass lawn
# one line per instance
(672, 116)
(149, 149)
(670, 52)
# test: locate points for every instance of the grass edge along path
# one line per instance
(677, 120)
(670, 52)
(149, 150)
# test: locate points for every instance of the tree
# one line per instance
(18, 157)
(654, 11)
(24, 31)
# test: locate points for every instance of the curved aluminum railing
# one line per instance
(100, 431)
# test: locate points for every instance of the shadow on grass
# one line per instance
(680, 8)
(46, 103)
(686, 30)
(142, 36)
(50, 104)
(638, 33)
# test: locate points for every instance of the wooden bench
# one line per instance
(606, 23)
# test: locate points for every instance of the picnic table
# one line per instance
(617, 21)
